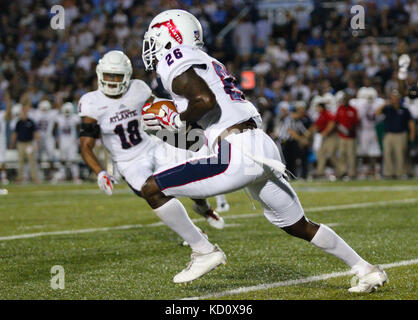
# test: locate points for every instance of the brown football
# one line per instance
(155, 108)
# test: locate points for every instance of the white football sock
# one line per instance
(327, 240)
(220, 199)
(75, 171)
(174, 215)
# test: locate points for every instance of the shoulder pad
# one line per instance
(176, 61)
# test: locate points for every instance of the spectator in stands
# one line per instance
(26, 135)
(244, 38)
(347, 120)
(398, 121)
(325, 125)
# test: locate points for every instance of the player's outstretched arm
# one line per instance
(200, 96)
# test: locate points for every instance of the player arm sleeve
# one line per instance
(89, 130)
(86, 108)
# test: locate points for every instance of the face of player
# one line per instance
(113, 77)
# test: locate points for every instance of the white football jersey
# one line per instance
(12, 124)
(2, 130)
(366, 111)
(44, 121)
(119, 120)
(412, 105)
(67, 129)
(232, 107)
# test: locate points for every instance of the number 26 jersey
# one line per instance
(119, 120)
(232, 108)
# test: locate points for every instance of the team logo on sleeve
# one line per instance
(172, 29)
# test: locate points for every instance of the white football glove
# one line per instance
(105, 182)
(403, 62)
(170, 119)
(150, 122)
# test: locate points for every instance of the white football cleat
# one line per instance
(224, 207)
(213, 218)
(370, 282)
(201, 264)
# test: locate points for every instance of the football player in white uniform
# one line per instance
(67, 124)
(15, 114)
(366, 103)
(113, 112)
(4, 116)
(242, 154)
(44, 117)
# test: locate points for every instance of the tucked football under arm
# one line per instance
(196, 91)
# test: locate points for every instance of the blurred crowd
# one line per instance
(326, 92)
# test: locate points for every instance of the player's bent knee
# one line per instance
(149, 188)
(303, 229)
(152, 193)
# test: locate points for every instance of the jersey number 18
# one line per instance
(133, 134)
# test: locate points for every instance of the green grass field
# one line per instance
(115, 248)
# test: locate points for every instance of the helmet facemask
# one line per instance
(153, 50)
(113, 88)
(67, 109)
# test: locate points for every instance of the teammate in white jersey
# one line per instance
(44, 118)
(4, 116)
(113, 112)
(14, 117)
(67, 124)
(244, 156)
(366, 103)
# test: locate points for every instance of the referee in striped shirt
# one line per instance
(291, 133)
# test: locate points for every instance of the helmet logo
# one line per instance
(175, 34)
(196, 35)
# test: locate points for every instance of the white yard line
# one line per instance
(238, 216)
(294, 282)
(355, 189)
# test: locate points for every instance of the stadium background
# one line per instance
(295, 52)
